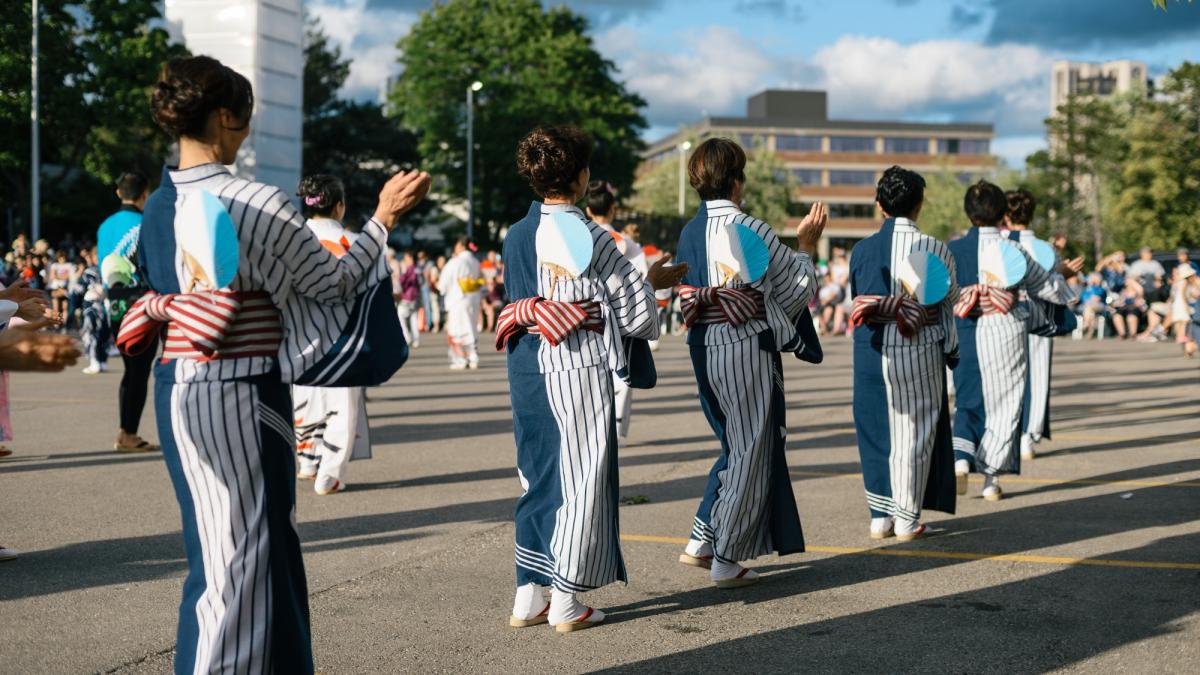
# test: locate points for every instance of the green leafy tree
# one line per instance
(97, 61)
(352, 140)
(538, 66)
(942, 214)
(656, 189)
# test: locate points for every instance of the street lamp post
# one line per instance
(35, 163)
(474, 87)
(683, 148)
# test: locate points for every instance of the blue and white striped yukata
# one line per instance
(989, 382)
(1035, 410)
(567, 533)
(901, 413)
(226, 429)
(748, 508)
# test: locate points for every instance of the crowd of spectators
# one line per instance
(422, 308)
(61, 271)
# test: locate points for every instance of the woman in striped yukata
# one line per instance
(736, 333)
(900, 368)
(331, 422)
(1035, 412)
(601, 207)
(563, 341)
(221, 401)
(989, 382)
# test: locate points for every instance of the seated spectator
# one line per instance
(1145, 270)
(1181, 255)
(1130, 308)
(1093, 303)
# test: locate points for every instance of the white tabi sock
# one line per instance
(1027, 446)
(881, 525)
(990, 480)
(565, 608)
(530, 601)
(722, 571)
(962, 466)
(698, 549)
(906, 526)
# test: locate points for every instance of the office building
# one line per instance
(839, 161)
(1073, 78)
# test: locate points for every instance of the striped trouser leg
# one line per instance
(741, 375)
(1001, 345)
(1039, 385)
(245, 603)
(913, 380)
(585, 547)
(341, 429)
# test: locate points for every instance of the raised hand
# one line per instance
(19, 292)
(400, 194)
(1070, 268)
(662, 276)
(809, 231)
(33, 309)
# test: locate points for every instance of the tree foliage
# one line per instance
(352, 140)
(97, 61)
(1124, 172)
(537, 67)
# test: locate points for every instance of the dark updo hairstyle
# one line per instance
(1021, 206)
(715, 167)
(985, 204)
(320, 194)
(132, 185)
(551, 159)
(900, 192)
(191, 89)
(601, 198)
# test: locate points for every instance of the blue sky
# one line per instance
(930, 60)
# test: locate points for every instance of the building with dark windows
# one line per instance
(839, 161)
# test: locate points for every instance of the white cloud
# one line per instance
(713, 72)
(1004, 84)
(368, 37)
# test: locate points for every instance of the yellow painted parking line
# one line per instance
(1029, 481)
(956, 555)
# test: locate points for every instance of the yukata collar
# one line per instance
(197, 173)
(905, 223)
(564, 208)
(717, 204)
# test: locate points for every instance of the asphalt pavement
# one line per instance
(1091, 563)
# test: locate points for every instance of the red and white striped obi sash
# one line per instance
(734, 306)
(552, 319)
(980, 300)
(204, 326)
(909, 315)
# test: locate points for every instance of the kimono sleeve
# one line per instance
(312, 270)
(791, 273)
(1045, 285)
(629, 294)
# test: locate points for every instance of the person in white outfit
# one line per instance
(331, 422)
(460, 283)
(601, 207)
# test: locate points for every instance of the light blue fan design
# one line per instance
(740, 255)
(565, 243)
(1002, 265)
(1044, 254)
(925, 277)
(208, 241)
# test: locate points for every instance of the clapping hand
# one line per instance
(1070, 268)
(400, 194)
(809, 231)
(19, 292)
(24, 348)
(662, 276)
